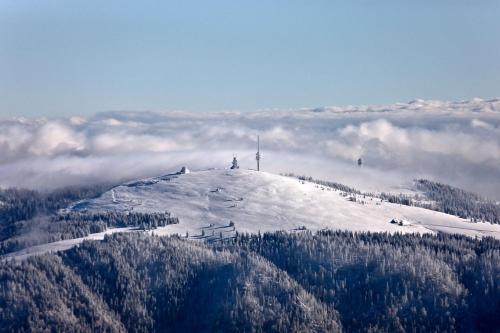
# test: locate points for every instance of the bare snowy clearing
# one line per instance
(60, 245)
(214, 204)
(260, 201)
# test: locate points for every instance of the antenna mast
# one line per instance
(257, 156)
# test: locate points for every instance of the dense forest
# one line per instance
(70, 225)
(23, 204)
(443, 198)
(29, 217)
(279, 282)
(455, 201)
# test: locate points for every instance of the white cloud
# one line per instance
(454, 142)
(55, 138)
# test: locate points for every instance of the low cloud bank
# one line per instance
(452, 142)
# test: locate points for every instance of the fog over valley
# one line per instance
(451, 142)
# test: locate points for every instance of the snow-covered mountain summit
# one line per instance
(216, 203)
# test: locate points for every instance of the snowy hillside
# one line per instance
(206, 203)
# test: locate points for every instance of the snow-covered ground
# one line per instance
(60, 245)
(206, 202)
(259, 201)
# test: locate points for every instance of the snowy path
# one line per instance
(483, 229)
(60, 245)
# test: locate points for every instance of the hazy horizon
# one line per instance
(410, 87)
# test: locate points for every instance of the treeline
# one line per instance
(143, 220)
(140, 283)
(23, 204)
(23, 212)
(401, 199)
(70, 225)
(336, 186)
(446, 199)
(302, 282)
(29, 217)
(452, 200)
(392, 283)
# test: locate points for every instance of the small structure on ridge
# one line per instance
(257, 156)
(183, 171)
(235, 164)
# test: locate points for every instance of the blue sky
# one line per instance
(61, 58)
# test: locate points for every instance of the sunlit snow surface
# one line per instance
(60, 245)
(260, 201)
(207, 201)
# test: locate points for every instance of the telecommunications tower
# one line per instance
(257, 156)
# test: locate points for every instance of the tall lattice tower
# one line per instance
(257, 156)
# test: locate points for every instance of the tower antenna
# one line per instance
(257, 156)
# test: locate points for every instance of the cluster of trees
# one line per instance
(142, 220)
(140, 283)
(336, 186)
(402, 199)
(70, 225)
(29, 217)
(452, 200)
(395, 283)
(23, 204)
(445, 198)
(21, 209)
(302, 282)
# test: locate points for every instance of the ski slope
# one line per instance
(207, 201)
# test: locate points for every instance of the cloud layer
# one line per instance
(452, 142)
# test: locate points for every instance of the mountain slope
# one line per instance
(137, 283)
(206, 202)
(276, 282)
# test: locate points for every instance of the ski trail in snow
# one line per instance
(60, 245)
(438, 227)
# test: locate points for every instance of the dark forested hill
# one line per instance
(455, 201)
(325, 282)
(29, 217)
(23, 204)
(277, 282)
(25, 215)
